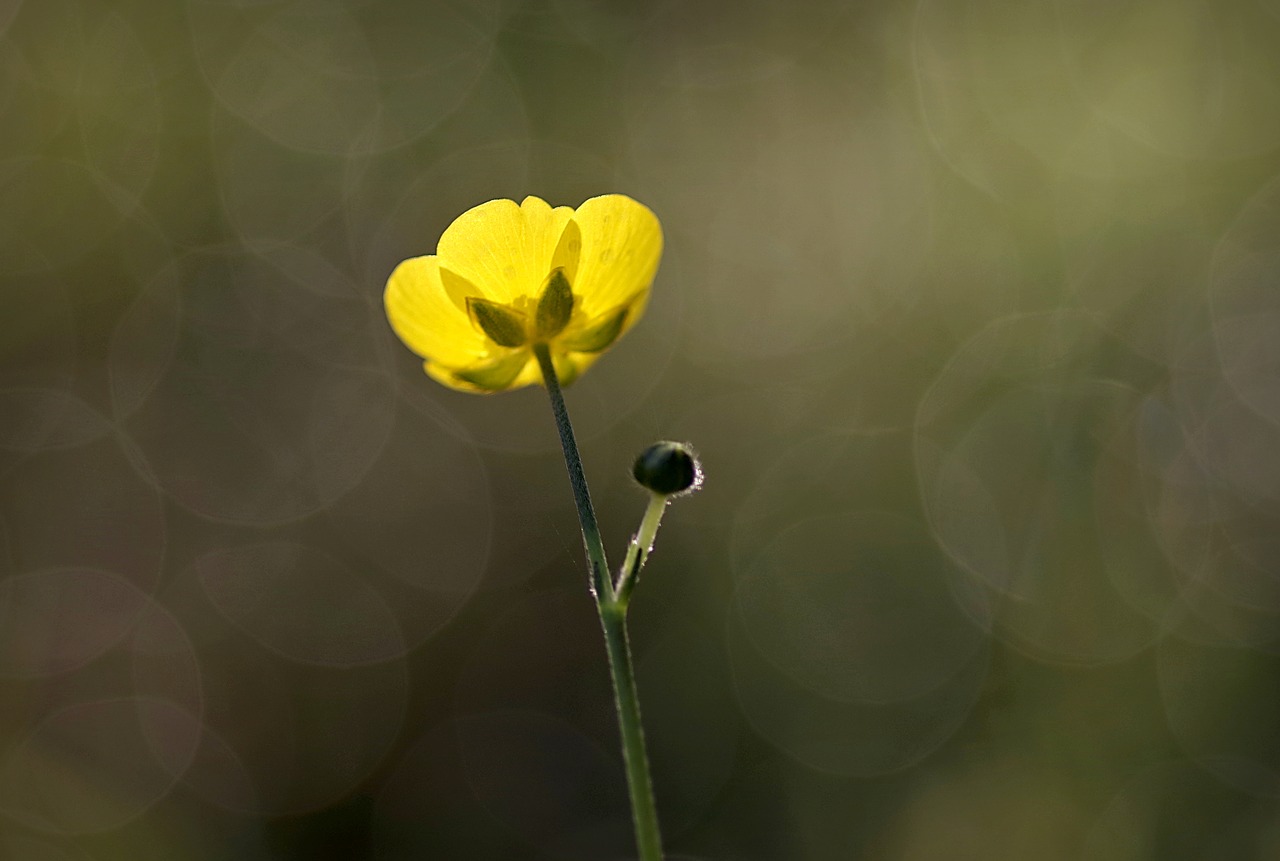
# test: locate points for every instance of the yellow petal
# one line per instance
(621, 247)
(530, 376)
(427, 319)
(503, 248)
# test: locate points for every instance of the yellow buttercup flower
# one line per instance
(507, 277)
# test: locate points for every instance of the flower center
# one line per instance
(510, 325)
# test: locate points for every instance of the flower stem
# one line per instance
(641, 545)
(601, 585)
(613, 620)
(644, 813)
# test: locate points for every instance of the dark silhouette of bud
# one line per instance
(668, 468)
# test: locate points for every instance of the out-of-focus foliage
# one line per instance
(971, 307)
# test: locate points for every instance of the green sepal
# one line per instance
(597, 336)
(495, 376)
(505, 327)
(555, 305)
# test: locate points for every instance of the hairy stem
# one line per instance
(613, 620)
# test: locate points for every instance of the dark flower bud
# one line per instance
(668, 468)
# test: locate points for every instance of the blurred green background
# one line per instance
(972, 308)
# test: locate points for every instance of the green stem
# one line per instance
(613, 619)
(640, 547)
(644, 813)
(601, 585)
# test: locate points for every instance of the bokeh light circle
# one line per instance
(103, 741)
(849, 739)
(1245, 305)
(1184, 77)
(56, 620)
(1202, 687)
(1028, 481)
(293, 723)
(273, 402)
(301, 604)
(84, 507)
(340, 78)
(856, 607)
